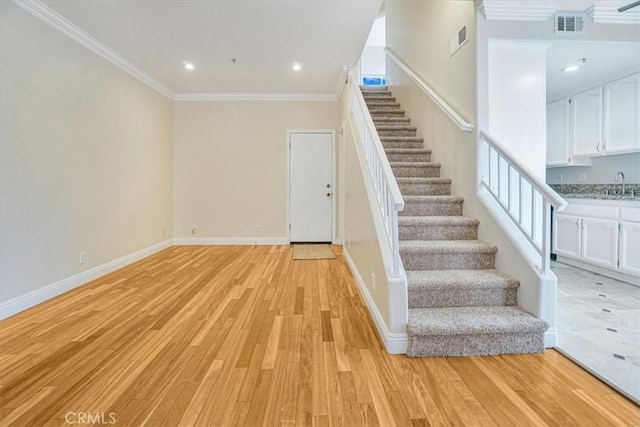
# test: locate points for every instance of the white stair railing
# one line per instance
(386, 188)
(521, 194)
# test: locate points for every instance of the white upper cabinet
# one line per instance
(587, 122)
(622, 115)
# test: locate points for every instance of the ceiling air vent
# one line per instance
(569, 23)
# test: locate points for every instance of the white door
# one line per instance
(587, 122)
(629, 244)
(566, 235)
(600, 242)
(558, 132)
(311, 189)
(622, 115)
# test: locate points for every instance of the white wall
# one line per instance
(603, 170)
(517, 115)
(85, 159)
(230, 165)
(373, 59)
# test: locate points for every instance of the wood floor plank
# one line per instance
(247, 336)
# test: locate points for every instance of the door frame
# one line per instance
(332, 132)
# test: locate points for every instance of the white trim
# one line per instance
(344, 75)
(23, 302)
(551, 337)
(56, 21)
(441, 103)
(226, 241)
(394, 342)
(609, 15)
(618, 275)
(228, 96)
(334, 239)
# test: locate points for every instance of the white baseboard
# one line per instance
(394, 342)
(551, 338)
(224, 241)
(23, 302)
(618, 275)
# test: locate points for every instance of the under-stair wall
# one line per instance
(452, 147)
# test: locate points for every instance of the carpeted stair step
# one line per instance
(396, 130)
(447, 254)
(370, 89)
(432, 206)
(415, 169)
(408, 155)
(423, 186)
(385, 111)
(473, 331)
(391, 121)
(373, 104)
(461, 288)
(438, 228)
(378, 99)
(402, 142)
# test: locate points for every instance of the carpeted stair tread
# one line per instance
(382, 110)
(408, 151)
(447, 247)
(383, 104)
(416, 164)
(422, 180)
(465, 279)
(458, 221)
(379, 88)
(401, 139)
(396, 128)
(472, 320)
(433, 199)
(385, 119)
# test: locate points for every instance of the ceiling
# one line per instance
(606, 61)
(264, 36)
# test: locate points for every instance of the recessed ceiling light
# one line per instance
(297, 67)
(570, 68)
(188, 65)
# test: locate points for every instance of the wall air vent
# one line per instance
(569, 23)
(457, 41)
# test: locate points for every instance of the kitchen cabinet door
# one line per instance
(630, 247)
(586, 108)
(566, 235)
(600, 242)
(622, 115)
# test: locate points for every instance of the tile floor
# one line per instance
(598, 322)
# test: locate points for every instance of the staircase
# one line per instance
(459, 304)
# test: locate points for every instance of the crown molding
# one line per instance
(56, 21)
(610, 15)
(227, 96)
(522, 10)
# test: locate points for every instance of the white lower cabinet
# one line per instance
(600, 235)
(600, 242)
(630, 247)
(566, 236)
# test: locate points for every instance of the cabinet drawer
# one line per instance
(629, 214)
(592, 211)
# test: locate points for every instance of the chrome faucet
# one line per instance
(618, 175)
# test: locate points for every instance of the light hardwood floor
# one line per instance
(246, 336)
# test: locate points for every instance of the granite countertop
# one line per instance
(597, 191)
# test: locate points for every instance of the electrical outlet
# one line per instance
(560, 178)
(582, 177)
(373, 281)
(257, 227)
(83, 257)
(179, 229)
(194, 230)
